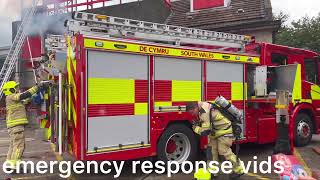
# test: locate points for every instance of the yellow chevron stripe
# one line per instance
(71, 62)
(315, 92)
(74, 114)
(297, 94)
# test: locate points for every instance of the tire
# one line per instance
(303, 130)
(177, 143)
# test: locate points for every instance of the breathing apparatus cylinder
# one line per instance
(235, 112)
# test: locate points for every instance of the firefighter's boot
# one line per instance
(237, 168)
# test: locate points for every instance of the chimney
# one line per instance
(205, 4)
(191, 6)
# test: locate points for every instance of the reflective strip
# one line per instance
(33, 90)
(46, 96)
(175, 52)
(315, 92)
(140, 108)
(163, 103)
(10, 107)
(206, 125)
(16, 97)
(16, 122)
(186, 91)
(110, 91)
(219, 133)
(221, 122)
(236, 91)
(296, 93)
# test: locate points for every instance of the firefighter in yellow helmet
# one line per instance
(219, 130)
(16, 118)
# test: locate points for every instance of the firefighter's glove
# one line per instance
(196, 129)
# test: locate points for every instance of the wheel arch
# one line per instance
(307, 109)
(179, 122)
(186, 124)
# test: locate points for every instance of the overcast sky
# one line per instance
(10, 9)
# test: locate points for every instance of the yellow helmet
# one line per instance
(9, 85)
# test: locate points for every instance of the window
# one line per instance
(279, 59)
(311, 70)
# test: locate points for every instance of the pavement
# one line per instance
(39, 150)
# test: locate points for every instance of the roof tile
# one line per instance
(214, 17)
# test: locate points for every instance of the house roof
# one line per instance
(239, 12)
(256, 14)
(145, 10)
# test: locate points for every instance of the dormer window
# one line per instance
(206, 4)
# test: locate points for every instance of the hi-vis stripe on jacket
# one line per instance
(16, 112)
(221, 125)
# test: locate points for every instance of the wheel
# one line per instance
(303, 130)
(177, 143)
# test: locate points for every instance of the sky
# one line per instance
(10, 11)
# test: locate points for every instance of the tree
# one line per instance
(303, 33)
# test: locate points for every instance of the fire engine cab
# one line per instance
(126, 83)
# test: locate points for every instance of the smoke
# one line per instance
(43, 23)
(10, 9)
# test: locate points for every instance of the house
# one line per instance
(250, 17)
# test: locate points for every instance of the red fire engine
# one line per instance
(126, 83)
(129, 82)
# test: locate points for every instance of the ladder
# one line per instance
(15, 49)
(95, 24)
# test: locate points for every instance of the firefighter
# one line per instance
(16, 118)
(219, 130)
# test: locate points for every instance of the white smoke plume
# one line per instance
(10, 9)
(42, 23)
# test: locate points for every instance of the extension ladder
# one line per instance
(95, 24)
(15, 49)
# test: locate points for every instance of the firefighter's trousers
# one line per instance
(222, 146)
(17, 143)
